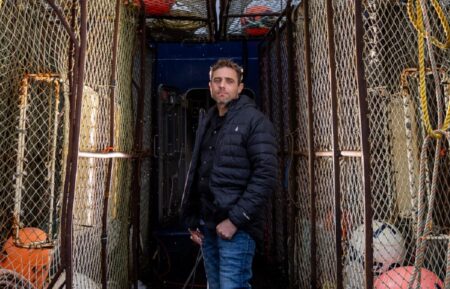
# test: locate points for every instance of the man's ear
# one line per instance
(210, 90)
(241, 87)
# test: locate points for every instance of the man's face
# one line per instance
(224, 85)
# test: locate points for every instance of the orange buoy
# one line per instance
(400, 277)
(32, 263)
(156, 7)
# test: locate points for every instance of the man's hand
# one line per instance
(226, 229)
(196, 236)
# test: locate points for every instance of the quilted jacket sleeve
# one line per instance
(262, 153)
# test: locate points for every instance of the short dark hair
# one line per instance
(225, 62)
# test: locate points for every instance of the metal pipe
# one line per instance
(339, 153)
(76, 140)
(64, 22)
(311, 155)
(23, 105)
(281, 136)
(21, 146)
(136, 189)
(292, 99)
(104, 234)
(224, 20)
(73, 80)
(335, 141)
(113, 155)
(211, 18)
(269, 112)
(55, 278)
(112, 100)
(357, 154)
(365, 147)
(214, 12)
(57, 83)
(262, 58)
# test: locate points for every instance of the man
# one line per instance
(231, 177)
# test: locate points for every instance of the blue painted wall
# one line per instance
(186, 65)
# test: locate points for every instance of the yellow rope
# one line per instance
(417, 21)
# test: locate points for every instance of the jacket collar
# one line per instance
(236, 104)
(242, 101)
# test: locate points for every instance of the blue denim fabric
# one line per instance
(228, 263)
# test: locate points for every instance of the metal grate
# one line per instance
(250, 18)
(33, 135)
(36, 83)
(170, 20)
(396, 133)
(301, 198)
(326, 246)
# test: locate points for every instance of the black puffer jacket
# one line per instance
(244, 170)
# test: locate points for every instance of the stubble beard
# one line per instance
(224, 102)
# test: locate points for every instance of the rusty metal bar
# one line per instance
(262, 51)
(23, 104)
(292, 100)
(64, 22)
(211, 17)
(224, 7)
(76, 141)
(73, 80)
(51, 79)
(139, 129)
(270, 115)
(281, 136)
(335, 141)
(365, 147)
(106, 194)
(47, 77)
(55, 278)
(311, 155)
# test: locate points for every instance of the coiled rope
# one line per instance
(425, 222)
(417, 20)
(421, 23)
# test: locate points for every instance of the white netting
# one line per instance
(396, 134)
(35, 82)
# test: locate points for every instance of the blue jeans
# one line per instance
(228, 263)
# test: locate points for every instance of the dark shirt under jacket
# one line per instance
(207, 150)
